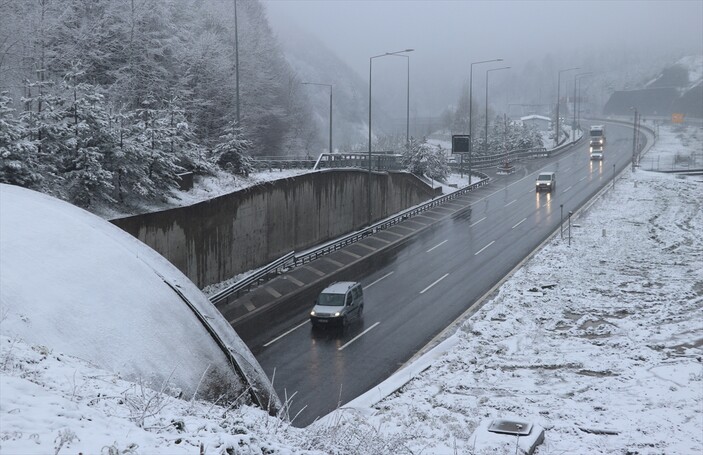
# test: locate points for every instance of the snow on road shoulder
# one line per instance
(598, 342)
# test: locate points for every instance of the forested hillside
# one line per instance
(107, 101)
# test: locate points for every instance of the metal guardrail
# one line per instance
(385, 224)
(292, 260)
(274, 268)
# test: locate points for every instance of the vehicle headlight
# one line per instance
(312, 313)
(337, 314)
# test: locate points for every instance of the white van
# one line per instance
(338, 304)
(546, 181)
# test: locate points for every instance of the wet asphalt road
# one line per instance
(416, 292)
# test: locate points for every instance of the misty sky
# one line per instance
(448, 35)
(476, 30)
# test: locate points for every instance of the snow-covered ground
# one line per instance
(208, 187)
(599, 342)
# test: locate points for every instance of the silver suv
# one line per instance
(546, 181)
(338, 304)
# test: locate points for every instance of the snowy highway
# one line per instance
(416, 292)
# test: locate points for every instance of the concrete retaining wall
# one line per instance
(215, 240)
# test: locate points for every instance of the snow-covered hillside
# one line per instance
(598, 342)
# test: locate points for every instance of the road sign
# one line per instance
(460, 143)
(677, 118)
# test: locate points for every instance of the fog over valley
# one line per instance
(535, 38)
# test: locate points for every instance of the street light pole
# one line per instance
(634, 137)
(330, 86)
(578, 79)
(407, 104)
(556, 139)
(485, 137)
(471, 133)
(236, 57)
(368, 178)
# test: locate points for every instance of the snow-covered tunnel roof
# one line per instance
(76, 283)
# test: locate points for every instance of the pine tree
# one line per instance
(43, 118)
(88, 149)
(422, 158)
(161, 165)
(18, 159)
(231, 153)
(129, 173)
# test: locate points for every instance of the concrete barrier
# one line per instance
(217, 239)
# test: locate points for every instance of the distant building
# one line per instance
(540, 122)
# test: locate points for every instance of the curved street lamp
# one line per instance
(368, 189)
(577, 78)
(330, 86)
(407, 102)
(556, 139)
(486, 130)
(471, 133)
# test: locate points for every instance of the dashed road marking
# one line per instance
(478, 222)
(294, 281)
(521, 221)
(428, 287)
(384, 276)
(354, 255)
(314, 270)
(337, 263)
(481, 250)
(286, 333)
(438, 245)
(357, 337)
(370, 248)
(272, 291)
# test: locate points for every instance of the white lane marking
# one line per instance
(481, 250)
(363, 245)
(314, 270)
(567, 189)
(332, 261)
(286, 333)
(294, 281)
(356, 337)
(428, 287)
(438, 245)
(384, 276)
(272, 291)
(567, 169)
(582, 179)
(349, 253)
(511, 202)
(478, 222)
(522, 221)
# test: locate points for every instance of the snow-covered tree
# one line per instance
(18, 154)
(43, 118)
(89, 148)
(154, 137)
(425, 159)
(231, 153)
(129, 173)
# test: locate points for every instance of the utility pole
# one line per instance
(236, 57)
(634, 140)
